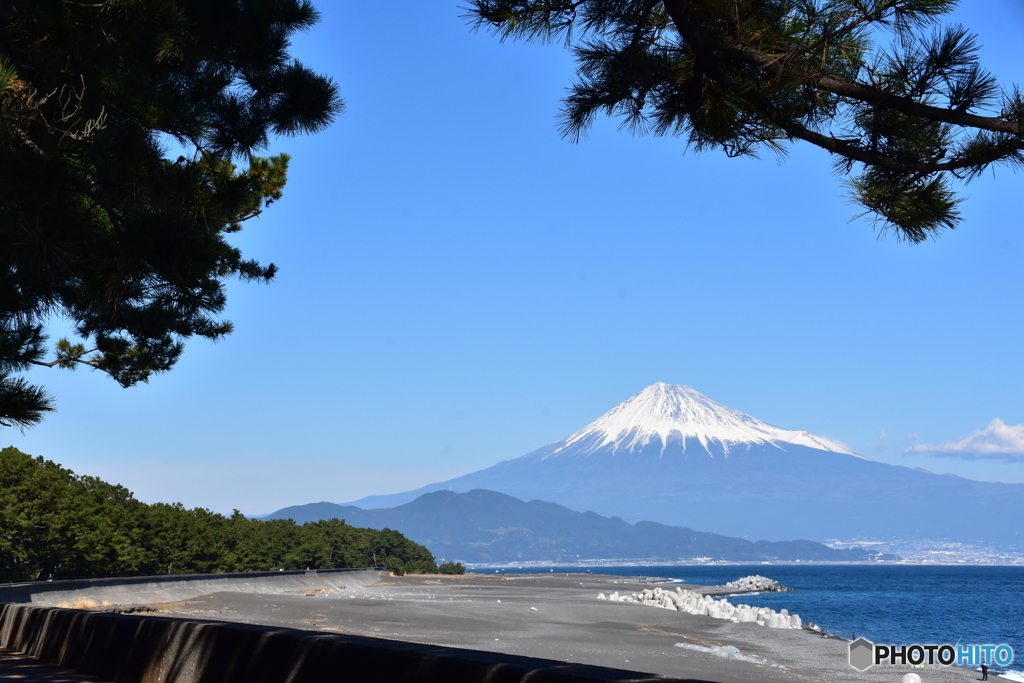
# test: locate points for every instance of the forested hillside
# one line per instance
(55, 522)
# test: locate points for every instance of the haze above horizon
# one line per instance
(460, 286)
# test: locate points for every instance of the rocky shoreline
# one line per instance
(758, 583)
(694, 602)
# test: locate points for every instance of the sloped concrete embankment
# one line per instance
(145, 589)
(142, 649)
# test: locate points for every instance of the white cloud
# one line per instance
(998, 441)
(882, 436)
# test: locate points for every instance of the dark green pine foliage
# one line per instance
(128, 131)
(55, 522)
(901, 102)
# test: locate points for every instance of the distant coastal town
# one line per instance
(925, 551)
(920, 552)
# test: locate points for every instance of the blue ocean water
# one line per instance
(892, 604)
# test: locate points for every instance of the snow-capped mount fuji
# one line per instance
(671, 455)
(664, 414)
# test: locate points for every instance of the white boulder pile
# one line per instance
(694, 603)
(757, 583)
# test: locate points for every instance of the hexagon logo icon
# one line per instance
(862, 654)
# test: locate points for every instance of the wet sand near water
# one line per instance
(558, 617)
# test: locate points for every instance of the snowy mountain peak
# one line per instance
(664, 413)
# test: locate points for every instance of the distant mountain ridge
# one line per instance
(485, 526)
(672, 455)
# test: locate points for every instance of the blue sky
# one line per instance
(459, 286)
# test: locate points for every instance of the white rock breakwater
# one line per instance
(757, 583)
(692, 602)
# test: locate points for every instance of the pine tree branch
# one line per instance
(706, 42)
(858, 20)
(871, 158)
(66, 361)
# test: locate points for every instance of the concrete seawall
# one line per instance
(145, 589)
(143, 649)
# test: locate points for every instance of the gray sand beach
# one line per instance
(557, 617)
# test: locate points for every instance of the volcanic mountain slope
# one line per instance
(485, 526)
(671, 455)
